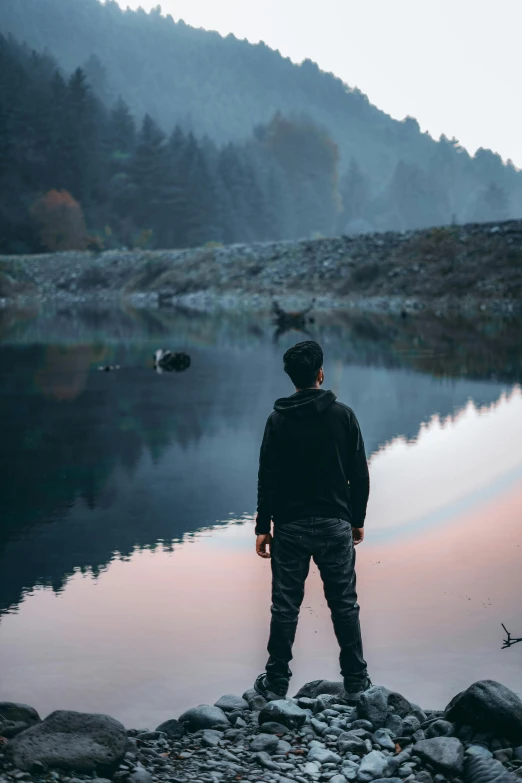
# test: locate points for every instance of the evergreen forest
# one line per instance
(128, 129)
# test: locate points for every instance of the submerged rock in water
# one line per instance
(72, 741)
(488, 706)
(171, 362)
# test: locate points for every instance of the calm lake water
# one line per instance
(128, 578)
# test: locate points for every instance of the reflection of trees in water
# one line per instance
(460, 346)
(73, 437)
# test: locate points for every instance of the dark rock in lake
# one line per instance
(489, 706)
(312, 690)
(283, 711)
(18, 713)
(71, 741)
(441, 728)
(204, 717)
(171, 362)
(480, 769)
(172, 728)
(445, 753)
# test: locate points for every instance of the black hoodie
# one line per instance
(312, 462)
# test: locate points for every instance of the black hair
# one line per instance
(303, 362)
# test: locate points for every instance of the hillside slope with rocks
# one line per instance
(476, 266)
(315, 736)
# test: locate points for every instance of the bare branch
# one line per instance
(509, 641)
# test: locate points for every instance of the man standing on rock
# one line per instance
(313, 485)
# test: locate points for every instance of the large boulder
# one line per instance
(312, 690)
(18, 713)
(489, 706)
(71, 741)
(204, 717)
(285, 712)
(445, 753)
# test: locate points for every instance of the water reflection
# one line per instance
(98, 467)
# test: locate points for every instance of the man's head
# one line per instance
(304, 364)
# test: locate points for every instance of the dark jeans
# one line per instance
(330, 543)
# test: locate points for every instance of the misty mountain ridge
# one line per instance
(387, 174)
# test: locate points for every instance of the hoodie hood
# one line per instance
(305, 403)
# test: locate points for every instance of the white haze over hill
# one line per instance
(454, 65)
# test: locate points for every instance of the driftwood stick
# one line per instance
(510, 640)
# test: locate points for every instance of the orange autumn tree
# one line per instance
(60, 221)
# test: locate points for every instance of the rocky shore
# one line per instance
(470, 267)
(315, 736)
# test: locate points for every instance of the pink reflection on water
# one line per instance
(168, 630)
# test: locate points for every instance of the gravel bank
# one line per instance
(471, 267)
(315, 736)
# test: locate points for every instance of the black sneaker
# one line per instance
(354, 692)
(264, 689)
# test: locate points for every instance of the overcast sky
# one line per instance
(455, 65)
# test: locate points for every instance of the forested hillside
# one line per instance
(75, 174)
(270, 149)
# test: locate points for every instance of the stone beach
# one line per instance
(315, 736)
(472, 268)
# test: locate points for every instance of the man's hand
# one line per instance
(262, 542)
(358, 535)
